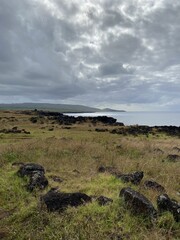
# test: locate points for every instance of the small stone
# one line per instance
(56, 179)
(154, 185)
(104, 200)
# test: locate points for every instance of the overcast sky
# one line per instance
(123, 54)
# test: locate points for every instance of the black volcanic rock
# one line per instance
(164, 203)
(69, 120)
(104, 200)
(145, 130)
(35, 172)
(154, 185)
(29, 168)
(134, 178)
(57, 201)
(138, 203)
(37, 179)
(14, 130)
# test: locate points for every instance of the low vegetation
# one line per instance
(71, 156)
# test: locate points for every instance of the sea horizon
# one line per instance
(149, 118)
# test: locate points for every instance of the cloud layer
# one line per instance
(123, 54)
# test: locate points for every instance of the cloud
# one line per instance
(92, 52)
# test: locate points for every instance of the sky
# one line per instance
(122, 54)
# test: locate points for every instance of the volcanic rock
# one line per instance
(164, 203)
(134, 178)
(59, 201)
(138, 203)
(154, 185)
(35, 172)
(29, 168)
(37, 179)
(104, 200)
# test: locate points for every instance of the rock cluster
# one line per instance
(69, 120)
(135, 201)
(14, 130)
(53, 199)
(145, 130)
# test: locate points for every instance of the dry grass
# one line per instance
(75, 155)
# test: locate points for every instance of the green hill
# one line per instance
(65, 108)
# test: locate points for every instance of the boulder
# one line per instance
(37, 179)
(35, 172)
(164, 203)
(59, 201)
(154, 185)
(29, 168)
(134, 178)
(104, 200)
(138, 203)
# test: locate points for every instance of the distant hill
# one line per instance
(64, 108)
(111, 110)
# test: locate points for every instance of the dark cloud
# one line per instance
(113, 53)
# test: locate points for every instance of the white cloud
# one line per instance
(124, 53)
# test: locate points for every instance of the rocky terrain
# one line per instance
(63, 177)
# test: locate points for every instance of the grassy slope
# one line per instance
(48, 107)
(61, 152)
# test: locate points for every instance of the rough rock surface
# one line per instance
(138, 203)
(134, 178)
(104, 200)
(59, 201)
(69, 120)
(154, 185)
(37, 179)
(164, 203)
(35, 172)
(29, 168)
(14, 130)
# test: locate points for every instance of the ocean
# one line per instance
(140, 118)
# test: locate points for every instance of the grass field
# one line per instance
(74, 155)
